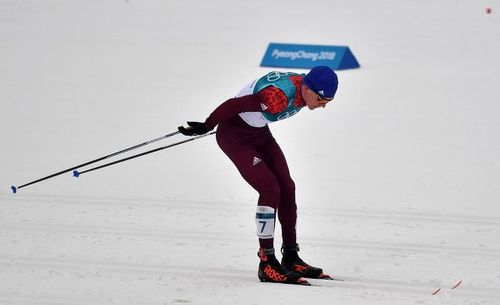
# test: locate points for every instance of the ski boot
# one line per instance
(291, 261)
(270, 270)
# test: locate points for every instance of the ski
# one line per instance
(453, 287)
(323, 282)
(300, 281)
(307, 282)
(329, 277)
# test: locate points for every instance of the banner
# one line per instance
(308, 56)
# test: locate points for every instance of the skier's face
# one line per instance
(312, 99)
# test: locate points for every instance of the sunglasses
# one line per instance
(323, 99)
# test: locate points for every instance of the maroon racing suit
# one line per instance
(257, 155)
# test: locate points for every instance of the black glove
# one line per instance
(194, 129)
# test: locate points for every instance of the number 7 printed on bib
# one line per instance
(265, 219)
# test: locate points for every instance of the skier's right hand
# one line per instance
(194, 129)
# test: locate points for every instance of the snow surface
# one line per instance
(397, 181)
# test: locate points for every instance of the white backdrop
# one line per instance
(397, 180)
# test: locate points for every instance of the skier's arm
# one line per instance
(231, 107)
(270, 99)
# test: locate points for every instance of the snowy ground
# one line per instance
(397, 181)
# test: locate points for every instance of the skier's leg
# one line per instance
(239, 144)
(249, 163)
(287, 210)
(287, 213)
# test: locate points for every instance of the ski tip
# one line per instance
(457, 284)
(436, 292)
(14, 189)
(76, 173)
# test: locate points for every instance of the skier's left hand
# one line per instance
(194, 129)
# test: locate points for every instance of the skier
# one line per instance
(244, 136)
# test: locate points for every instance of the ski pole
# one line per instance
(16, 188)
(78, 173)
